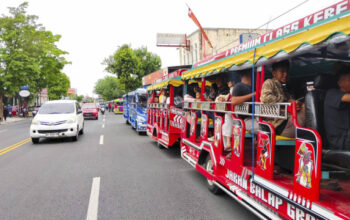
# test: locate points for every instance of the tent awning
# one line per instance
(174, 82)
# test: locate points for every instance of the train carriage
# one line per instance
(163, 123)
(118, 106)
(137, 110)
(274, 176)
(127, 100)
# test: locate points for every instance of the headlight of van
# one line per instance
(71, 120)
(35, 122)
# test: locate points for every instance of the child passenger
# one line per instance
(273, 92)
(198, 96)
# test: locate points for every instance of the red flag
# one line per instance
(195, 20)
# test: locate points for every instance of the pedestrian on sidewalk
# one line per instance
(24, 112)
(5, 112)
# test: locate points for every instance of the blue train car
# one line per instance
(138, 109)
(126, 106)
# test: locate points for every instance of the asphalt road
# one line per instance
(133, 178)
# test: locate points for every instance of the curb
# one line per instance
(11, 121)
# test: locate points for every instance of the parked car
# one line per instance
(57, 119)
(90, 110)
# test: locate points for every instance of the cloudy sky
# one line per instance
(93, 29)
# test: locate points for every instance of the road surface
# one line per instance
(109, 173)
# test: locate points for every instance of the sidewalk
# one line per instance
(10, 120)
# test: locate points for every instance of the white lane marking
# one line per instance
(3, 131)
(104, 119)
(93, 202)
(103, 126)
(101, 139)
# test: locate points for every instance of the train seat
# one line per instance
(314, 101)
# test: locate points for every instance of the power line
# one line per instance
(284, 13)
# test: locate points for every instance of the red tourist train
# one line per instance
(236, 144)
(163, 108)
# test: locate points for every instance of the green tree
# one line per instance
(109, 88)
(28, 54)
(150, 62)
(79, 98)
(58, 86)
(131, 65)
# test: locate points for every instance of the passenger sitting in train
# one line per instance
(231, 84)
(221, 95)
(211, 94)
(274, 92)
(191, 94)
(162, 96)
(337, 111)
(150, 99)
(242, 92)
(156, 99)
(167, 101)
(198, 96)
(223, 89)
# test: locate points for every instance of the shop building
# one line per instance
(221, 39)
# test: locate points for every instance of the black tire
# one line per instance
(127, 122)
(76, 137)
(35, 140)
(209, 167)
(160, 145)
(82, 130)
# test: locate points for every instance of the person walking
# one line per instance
(24, 111)
(109, 107)
(5, 112)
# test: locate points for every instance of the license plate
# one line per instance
(52, 135)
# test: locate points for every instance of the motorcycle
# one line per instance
(103, 110)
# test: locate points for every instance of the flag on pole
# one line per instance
(195, 20)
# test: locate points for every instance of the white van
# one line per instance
(57, 119)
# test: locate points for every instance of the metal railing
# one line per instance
(278, 110)
(158, 105)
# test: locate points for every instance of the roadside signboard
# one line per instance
(171, 40)
(25, 87)
(24, 93)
